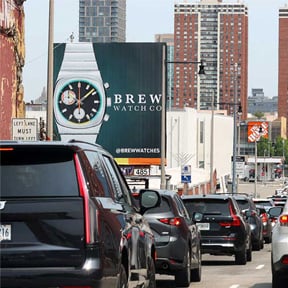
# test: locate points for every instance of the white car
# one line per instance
(279, 246)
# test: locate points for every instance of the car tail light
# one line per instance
(283, 220)
(171, 221)
(284, 259)
(264, 218)
(6, 149)
(84, 195)
(235, 219)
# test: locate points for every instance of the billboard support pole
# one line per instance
(163, 120)
(50, 72)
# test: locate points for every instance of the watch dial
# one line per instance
(79, 101)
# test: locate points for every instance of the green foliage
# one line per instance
(259, 115)
(278, 148)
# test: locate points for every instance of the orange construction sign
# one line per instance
(254, 133)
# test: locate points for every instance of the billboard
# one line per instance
(253, 130)
(131, 128)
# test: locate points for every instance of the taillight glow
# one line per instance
(283, 220)
(235, 219)
(84, 194)
(171, 221)
(284, 259)
(6, 149)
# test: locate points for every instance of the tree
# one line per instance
(259, 115)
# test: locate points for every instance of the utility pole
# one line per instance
(50, 72)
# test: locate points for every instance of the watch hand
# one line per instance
(79, 99)
(87, 94)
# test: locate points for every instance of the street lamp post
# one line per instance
(256, 162)
(234, 130)
(163, 114)
(255, 171)
(211, 144)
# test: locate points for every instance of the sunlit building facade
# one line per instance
(216, 33)
(102, 21)
(283, 63)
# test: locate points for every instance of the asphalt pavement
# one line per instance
(263, 189)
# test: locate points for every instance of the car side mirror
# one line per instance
(148, 199)
(275, 211)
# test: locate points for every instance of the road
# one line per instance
(263, 190)
(222, 272)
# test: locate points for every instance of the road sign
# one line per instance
(239, 166)
(186, 174)
(185, 178)
(24, 129)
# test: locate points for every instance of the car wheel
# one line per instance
(196, 273)
(151, 275)
(241, 257)
(122, 281)
(268, 239)
(182, 277)
(249, 252)
(277, 282)
(257, 245)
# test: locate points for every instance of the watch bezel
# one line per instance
(63, 121)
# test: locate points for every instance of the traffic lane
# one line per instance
(222, 272)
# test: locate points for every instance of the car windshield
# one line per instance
(38, 172)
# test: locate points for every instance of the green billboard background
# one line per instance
(134, 73)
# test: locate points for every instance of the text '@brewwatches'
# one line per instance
(79, 98)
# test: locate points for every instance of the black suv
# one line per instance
(224, 229)
(177, 239)
(68, 219)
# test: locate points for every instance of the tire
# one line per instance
(249, 252)
(277, 282)
(241, 257)
(197, 272)
(151, 275)
(122, 281)
(182, 277)
(268, 239)
(257, 246)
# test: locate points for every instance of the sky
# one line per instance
(145, 18)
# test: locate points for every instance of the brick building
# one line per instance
(216, 33)
(11, 64)
(283, 63)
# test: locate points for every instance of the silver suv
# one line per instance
(279, 247)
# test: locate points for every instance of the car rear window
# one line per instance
(208, 206)
(263, 203)
(37, 172)
(243, 204)
(164, 207)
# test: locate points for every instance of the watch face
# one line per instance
(80, 102)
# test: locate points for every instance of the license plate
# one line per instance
(203, 226)
(5, 232)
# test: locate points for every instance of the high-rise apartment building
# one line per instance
(283, 63)
(216, 33)
(169, 40)
(102, 21)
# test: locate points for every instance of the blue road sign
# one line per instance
(185, 178)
